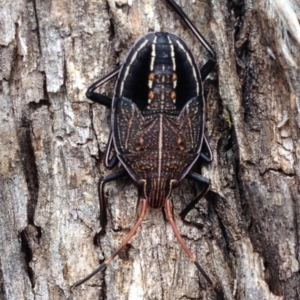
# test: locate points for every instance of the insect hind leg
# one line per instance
(101, 98)
(208, 67)
(193, 28)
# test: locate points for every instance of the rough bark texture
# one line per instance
(53, 139)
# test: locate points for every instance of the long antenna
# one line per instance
(124, 243)
(190, 255)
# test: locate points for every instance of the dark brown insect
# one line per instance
(157, 124)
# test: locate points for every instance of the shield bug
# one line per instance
(157, 124)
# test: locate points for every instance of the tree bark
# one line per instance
(53, 139)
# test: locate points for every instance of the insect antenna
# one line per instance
(124, 243)
(190, 255)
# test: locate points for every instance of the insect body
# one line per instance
(157, 124)
(158, 117)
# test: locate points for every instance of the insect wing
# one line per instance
(190, 123)
(137, 139)
(128, 123)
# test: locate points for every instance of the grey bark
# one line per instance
(53, 139)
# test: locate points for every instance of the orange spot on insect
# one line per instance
(140, 145)
(141, 141)
(174, 77)
(151, 76)
(180, 144)
(151, 95)
(173, 95)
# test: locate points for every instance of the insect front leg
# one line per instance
(198, 178)
(206, 154)
(110, 163)
(117, 175)
(101, 98)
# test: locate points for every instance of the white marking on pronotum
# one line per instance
(153, 54)
(173, 64)
(142, 45)
(189, 58)
(160, 144)
(172, 55)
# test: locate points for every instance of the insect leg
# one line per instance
(207, 68)
(110, 163)
(117, 175)
(192, 27)
(125, 242)
(190, 206)
(206, 156)
(100, 98)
